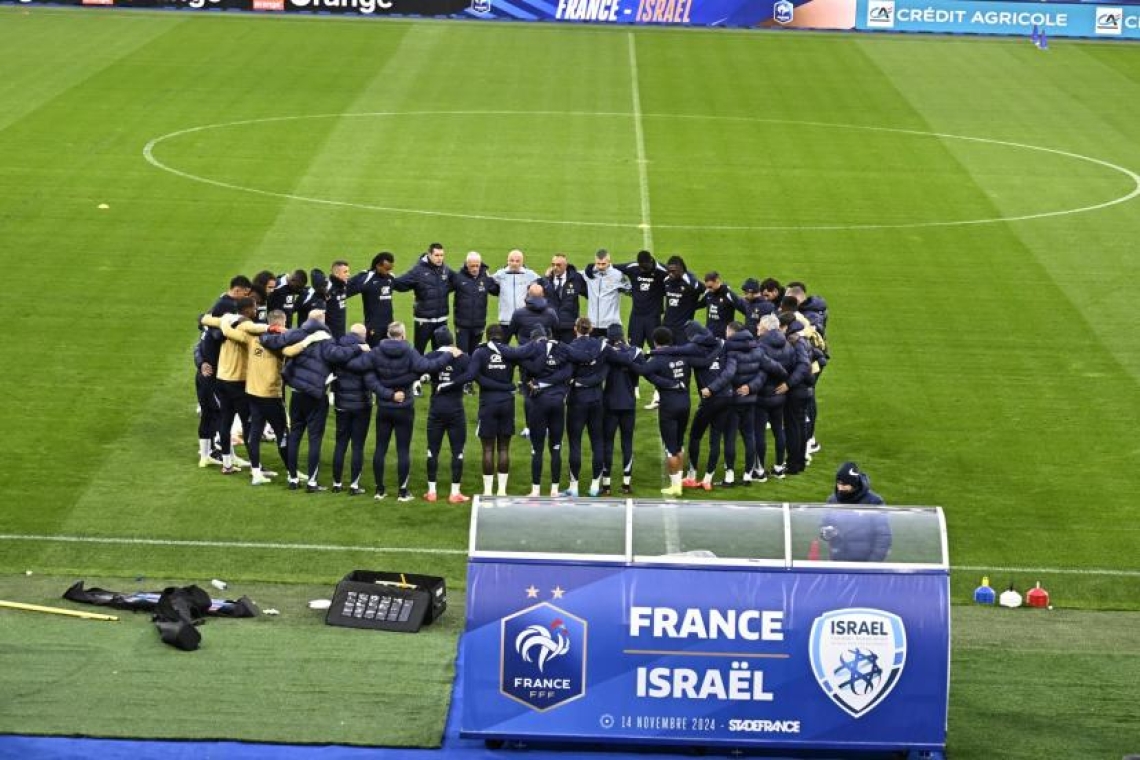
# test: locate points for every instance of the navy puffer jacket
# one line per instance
(778, 349)
(471, 297)
(395, 365)
(308, 372)
(743, 347)
(815, 309)
(350, 391)
(431, 284)
(536, 312)
(857, 536)
(716, 367)
(800, 380)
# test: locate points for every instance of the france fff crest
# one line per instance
(542, 661)
(857, 656)
(481, 6)
(783, 11)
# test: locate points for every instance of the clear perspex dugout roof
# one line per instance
(724, 533)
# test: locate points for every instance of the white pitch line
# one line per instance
(671, 536)
(1050, 570)
(639, 134)
(225, 544)
(124, 541)
(149, 149)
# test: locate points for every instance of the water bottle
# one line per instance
(983, 594)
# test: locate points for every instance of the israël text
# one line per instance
(664, 11)
(736, 680)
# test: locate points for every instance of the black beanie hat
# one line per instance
(443, 336)
(849, 474)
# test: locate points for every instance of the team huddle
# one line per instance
(559, 341)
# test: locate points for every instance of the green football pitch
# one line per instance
(968, 208)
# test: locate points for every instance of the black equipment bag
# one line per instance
(387, 601)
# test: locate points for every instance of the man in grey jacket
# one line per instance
(604, 286)
(513, 280)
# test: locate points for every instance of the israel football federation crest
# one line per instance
(542, 661)
(857, 656)
(784, 11)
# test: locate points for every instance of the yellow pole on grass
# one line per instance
(56, 611)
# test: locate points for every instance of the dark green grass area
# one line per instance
(988, 368)
(1027, 684)
(287, 678)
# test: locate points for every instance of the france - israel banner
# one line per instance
(1007, 18)
(790, 14)
(706, 656)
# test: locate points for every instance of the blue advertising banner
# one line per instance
(684, 655)
(817, 14)
(1008, 18)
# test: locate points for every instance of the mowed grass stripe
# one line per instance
(93, 44)
(1024, 279)
(1084, 254)
(100, 374)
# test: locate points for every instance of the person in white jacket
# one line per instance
(513, 279)
(604, 285)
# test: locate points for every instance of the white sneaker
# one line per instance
(813, 446)
(259, 479)
(239, 462)
(207, 461)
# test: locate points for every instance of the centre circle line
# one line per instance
(148, 154)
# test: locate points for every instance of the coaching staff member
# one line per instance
(472, 285)
(514, 279)
(431, 282)
(562, 286)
